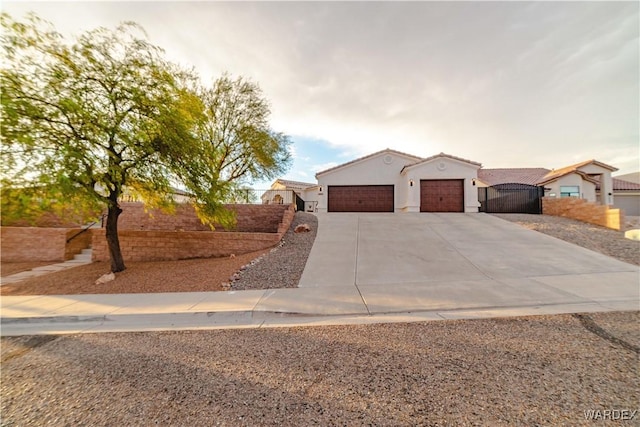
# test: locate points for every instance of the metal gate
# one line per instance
(511, 198)
(299, 203)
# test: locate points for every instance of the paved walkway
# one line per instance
(81, 259)
(368, 268)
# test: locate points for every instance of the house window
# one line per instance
(569, 191)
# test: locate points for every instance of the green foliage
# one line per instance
(41, 206)
(84, 121)
(94, 116)
(237, 145)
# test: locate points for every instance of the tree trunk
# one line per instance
(117, 263)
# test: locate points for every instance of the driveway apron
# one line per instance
(424, 261)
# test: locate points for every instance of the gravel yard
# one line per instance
(194, 275)
(599, 239)
(545, 370)
(282, 267)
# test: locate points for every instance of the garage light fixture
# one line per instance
(410, 183)
(473, 182)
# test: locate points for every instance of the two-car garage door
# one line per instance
(443, 195)
(360, 198)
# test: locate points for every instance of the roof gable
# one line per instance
(563, 171)
(554, 176)
(297, 185)
(388, 151)
(440, 156)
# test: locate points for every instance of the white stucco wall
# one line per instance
(606, 182)
(441, 168)
(587, 189)
(382, 169)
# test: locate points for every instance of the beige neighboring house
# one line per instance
(281, 192)
(587, 180)
(627, 196)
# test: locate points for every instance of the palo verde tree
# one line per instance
(236, 145)
(92, 117)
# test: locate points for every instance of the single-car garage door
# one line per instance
(360, 198)
(443, 195)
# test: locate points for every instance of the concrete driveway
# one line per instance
(434, 262)
(370, 268)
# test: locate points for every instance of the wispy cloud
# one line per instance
(502, 83)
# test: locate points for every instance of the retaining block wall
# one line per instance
(582, 210)
(156, 245)
(250, 218)
(173, 245)
(20, 244)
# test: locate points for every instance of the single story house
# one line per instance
(281, 192)
(393, 181)
(626, 196)
(582, 180)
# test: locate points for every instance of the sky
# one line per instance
(505, 84)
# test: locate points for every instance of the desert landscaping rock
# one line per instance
(545, 370)
(282, 266)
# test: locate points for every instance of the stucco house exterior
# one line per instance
(393, 181)
(626, 196)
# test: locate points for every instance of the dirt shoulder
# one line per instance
(529, 371)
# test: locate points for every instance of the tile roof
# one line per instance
(531, 176)
(300, 184)
(622, 185)
(449, 156)
(377, 153)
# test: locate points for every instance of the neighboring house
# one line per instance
(626, 192)
(581, 180)
(626, 196)
(281, 192)
(391, 181)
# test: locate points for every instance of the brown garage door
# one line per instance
(443, 195)
(360, 198)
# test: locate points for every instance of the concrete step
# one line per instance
(84, 256)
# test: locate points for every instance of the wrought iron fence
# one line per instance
(511, 198)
